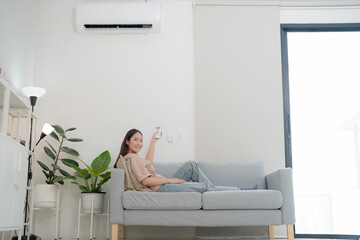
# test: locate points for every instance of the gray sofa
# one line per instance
(272, 204)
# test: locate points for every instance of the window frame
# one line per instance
(284, 29)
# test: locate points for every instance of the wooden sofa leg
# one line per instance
(114, 231)
(117, 232)
(271, 232)
(290, 231)
(122, 231)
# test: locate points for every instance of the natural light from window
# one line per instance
(324, 79)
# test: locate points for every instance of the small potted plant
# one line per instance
(45, 194)
(91, 180)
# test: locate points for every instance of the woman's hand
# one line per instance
(175, 180)
(154, 139)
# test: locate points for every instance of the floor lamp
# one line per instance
(33, 93)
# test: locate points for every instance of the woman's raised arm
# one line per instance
(151, 151)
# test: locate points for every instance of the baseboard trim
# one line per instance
(236, 237)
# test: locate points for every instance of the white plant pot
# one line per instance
(45, 196)
(92, 199)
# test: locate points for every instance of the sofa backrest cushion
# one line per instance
(235, 174)
(167, 169)
(223, 174)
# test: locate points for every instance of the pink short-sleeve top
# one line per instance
(142, 169)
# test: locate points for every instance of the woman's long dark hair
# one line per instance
(124, 149)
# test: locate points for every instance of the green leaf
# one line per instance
(96, 172)
(64, 173)
(62, 135)
(59, 129)
(105, 175)
(58, 179)
(75, 139)
(66, 161)
(70, 151)
(55, 166)
(87, 177)
(43, 166)
(53, 149)
(49, 153)
(104, 180)
(82, 187)
(66, 177)
(54, 135)
(47, 175)
(82, 172)
(70, 129)
(102, 161)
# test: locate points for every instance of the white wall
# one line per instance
(106, 84)
(238, 85)
(239, 115)
(17, 20)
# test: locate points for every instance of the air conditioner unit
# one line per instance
(116, 17)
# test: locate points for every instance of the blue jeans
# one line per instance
(195, 181)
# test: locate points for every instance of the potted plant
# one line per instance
(91, 180)
(45, 194)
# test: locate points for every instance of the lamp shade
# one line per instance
(33, 91)
(47, 129)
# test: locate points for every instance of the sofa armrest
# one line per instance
(282, 180)
(117, 188)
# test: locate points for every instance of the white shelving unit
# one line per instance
(15, 117)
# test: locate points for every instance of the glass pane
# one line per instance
(324, 79)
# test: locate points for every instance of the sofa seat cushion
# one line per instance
(252, 199)
(161, 200)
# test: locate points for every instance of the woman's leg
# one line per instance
(190, 172)
(195, 180)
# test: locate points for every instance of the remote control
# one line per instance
(159, 133)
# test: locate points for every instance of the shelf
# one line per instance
(14, 140)
(45, 209)
(14, 124)
(16, 100)
(3, 83)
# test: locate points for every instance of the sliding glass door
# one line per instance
(321, 71)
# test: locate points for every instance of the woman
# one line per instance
(188, 178)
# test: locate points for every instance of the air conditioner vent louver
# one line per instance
(117, 17)
(114, 26)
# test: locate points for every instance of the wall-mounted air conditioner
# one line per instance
(117, 17)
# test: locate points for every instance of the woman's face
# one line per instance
(135, 143)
